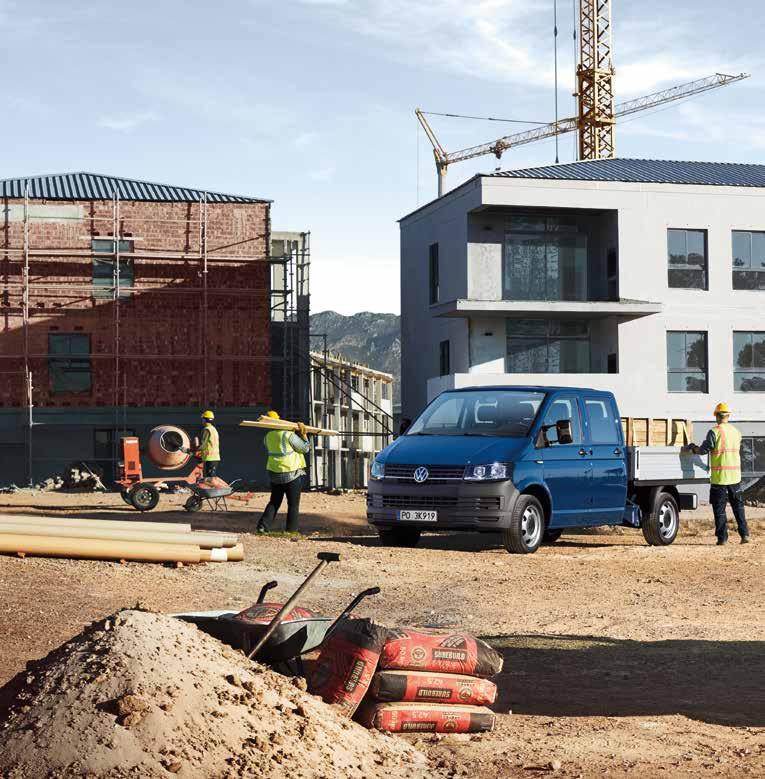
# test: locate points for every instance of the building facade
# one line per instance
(358, 402)
(126, 305)
(641, 277)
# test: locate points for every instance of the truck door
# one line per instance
(609, 471)
(567, 472)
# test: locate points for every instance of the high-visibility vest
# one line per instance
(282, 458)
(725, 458)
(209, 445)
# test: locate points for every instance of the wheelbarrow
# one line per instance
(213, 494)
(275, 633)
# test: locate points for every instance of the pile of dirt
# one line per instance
(142, 694)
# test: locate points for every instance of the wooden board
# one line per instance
(657, 431)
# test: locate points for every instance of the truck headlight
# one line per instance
(378, 470)
(495, 471)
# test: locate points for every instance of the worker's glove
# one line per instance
(301, 431)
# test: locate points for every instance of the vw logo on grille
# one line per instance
(420, 474)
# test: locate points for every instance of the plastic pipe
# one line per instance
(202, 540)
(232, 555)
(161, 527)
(89, 548)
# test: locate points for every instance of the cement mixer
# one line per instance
(169, 449)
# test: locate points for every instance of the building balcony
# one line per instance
(623, 310)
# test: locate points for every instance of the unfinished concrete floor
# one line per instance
(620, 659)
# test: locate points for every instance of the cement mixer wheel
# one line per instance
(144, 497)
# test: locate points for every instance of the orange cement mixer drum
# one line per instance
(166, 445)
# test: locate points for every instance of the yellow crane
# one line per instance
(597, 113)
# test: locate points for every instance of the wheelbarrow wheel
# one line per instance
(194, 503)
(144, 497)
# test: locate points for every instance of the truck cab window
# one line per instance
(560, 409)
(602, 424)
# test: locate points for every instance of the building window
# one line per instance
(69, 363)
(385, 390)
(354, 382)
(103, 267)
(753, 455)
(748, 260)
(434, 276)
(443, 359)
(687, 257)
(687, 361)
(545, 258)
(547, 346)
(318, 382)
(749, 362)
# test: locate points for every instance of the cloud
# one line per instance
(126, 122)
(306, 140)
(323, 174)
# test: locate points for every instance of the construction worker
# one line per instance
(208, 450)
(286, 469)
(723, 444)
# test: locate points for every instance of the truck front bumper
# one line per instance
(460, 505)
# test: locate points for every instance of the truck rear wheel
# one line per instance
(399, 536)
(527, 524)
(661, 525)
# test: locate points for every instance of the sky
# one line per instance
(311, 103)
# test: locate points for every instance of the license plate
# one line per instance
(418, 516)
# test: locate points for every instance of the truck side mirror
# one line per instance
(563, 429)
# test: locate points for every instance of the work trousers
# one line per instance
(719, 495)
(210, 468)
(292, 490)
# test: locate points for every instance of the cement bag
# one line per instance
(347, 662)
(263, 613)
(426, 718)
(433, 650)
(421, 686)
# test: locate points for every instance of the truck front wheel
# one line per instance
(399, 536)
(661, 525)
(527, 525)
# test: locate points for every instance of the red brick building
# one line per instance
(130, 304)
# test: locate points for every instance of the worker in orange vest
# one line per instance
(723, 444)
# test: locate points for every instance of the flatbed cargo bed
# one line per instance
(663, 465)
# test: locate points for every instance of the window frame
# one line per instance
(754, 371)
(434, 269)
(752, 438)
(686, 230)
(760, 285)
(103, 285)
(686, 370)
(548, 338)
(444, 358)
(69, 361)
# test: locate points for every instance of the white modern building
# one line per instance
(643, 277)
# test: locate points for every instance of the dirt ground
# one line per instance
(620, 659)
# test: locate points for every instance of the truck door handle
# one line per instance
(617, 450)
(583, 452)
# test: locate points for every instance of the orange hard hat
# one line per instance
(273, 414)
(722, 408)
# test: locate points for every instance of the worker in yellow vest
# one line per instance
(208, 450)
(723, 444)
(286, 469)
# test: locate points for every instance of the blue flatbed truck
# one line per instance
(528, 462)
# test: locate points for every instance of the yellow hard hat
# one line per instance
(208, 414)
(722, 408)
(273, 414)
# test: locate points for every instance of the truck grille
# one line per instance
(423, 502)
(436, 473)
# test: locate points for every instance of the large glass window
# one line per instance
(547, 346)
(103, 267)
(748, 259)
(687, 255)
(753, 455)
(545, 258)
(749, 362)
(686, 361)
(479, 412)
(69, 362)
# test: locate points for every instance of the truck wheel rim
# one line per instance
(667, 520)
(531, 526)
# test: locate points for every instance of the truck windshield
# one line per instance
(479, 412)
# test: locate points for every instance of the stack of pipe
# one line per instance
(101, 539)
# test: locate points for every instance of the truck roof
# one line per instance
(529, 388)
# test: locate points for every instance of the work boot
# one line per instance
(261, 529)
(721, 541)
(746, 540)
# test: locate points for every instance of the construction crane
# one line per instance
(597, 113)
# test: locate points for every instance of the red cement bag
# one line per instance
(263, 613)
(433, 650)
(347, 662)
(426, 718)
(418, 686)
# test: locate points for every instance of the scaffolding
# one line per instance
(287, 290)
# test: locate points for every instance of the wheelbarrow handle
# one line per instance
(325, 558)
(349, 608)
(265, 588)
